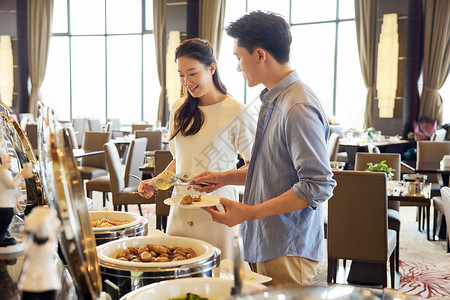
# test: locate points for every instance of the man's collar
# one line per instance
(269, 96)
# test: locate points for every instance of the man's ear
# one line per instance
(261, 54)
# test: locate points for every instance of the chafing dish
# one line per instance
(211, 288)
(129, 276)
(131, 225)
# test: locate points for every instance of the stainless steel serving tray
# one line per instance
(64, 188)
(140, 229)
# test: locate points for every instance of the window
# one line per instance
(324, 52)
(102, 61)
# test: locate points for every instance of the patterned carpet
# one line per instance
(424, 265)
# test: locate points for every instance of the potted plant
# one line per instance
(381, 167)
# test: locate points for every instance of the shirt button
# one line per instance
(190, 223)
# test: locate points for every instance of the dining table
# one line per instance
(396, 191)
(386, 144)
(80, 153)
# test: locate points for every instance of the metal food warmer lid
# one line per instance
(64, 190)
(20, 147)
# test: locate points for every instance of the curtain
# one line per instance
(159, 31)
(436, 57)
(212, 16)
(366, 20)
(39, 26)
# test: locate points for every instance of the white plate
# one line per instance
(128, 219)
(211, 288)
(226, 272)
(207, 200)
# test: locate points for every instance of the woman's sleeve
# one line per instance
(245, 134)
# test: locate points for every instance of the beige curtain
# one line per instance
(40, 14)
(212, 16)
(366, 21)
(436, 57)
(159, 31)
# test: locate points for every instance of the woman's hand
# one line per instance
(235, 212)
(147, 188)
(214, 179)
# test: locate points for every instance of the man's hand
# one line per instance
(214, 179)
(147, 189)
(235, 212)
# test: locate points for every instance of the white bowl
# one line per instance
(211, 288)
(130, 219)
(107, 252)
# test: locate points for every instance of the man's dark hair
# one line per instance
(262, 29)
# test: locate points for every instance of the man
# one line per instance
(289, 175)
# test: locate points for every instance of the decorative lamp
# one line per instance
(6, 70)
(387, 66)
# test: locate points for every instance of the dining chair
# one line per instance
(116, 125)
(357, 225)
(392, 160)
(121, 195)
(154, 139)
(94, 124)
(72, 137)
(80, 126)
(135, 127)
(162, 159)
(135, 159)
(108, 129)
(373, 149)
(439, 217)
(333, 146)
(93, 166)
(445, 193)
(431, 152)
(438, 135)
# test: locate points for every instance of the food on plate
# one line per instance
(105, 222)
(155, 253)
(190, 296)
(188, 199)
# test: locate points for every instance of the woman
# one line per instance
(207, 130)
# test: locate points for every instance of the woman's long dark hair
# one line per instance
(189, 119)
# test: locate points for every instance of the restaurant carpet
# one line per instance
(424, 265)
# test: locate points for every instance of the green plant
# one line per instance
(381, 167)
(371, 131)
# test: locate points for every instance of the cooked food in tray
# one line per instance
(105, 222)
(190, 296)
(155, 253)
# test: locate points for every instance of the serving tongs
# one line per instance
(169, 180)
